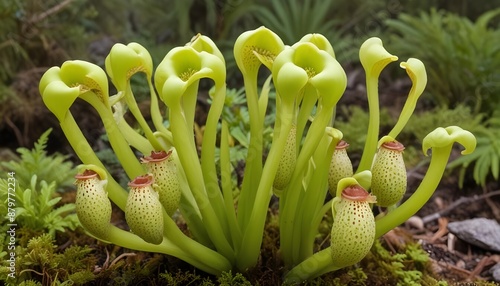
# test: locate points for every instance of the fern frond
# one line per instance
(49, 168)
(464, 56)
(485, 159)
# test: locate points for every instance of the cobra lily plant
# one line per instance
(307, 161)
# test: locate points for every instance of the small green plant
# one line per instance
(35, 207)
(49, 168)
(31, 192)
(226, 234)
(485, 161)
(291, 20)
(463, 57)
(405, 268)
(183, 278)
(40, 261)
(230, 279)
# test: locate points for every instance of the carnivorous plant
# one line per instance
(307, 162)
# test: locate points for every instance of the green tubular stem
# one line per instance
(134, 109)
(423, 193)
(208, 158)
(252, 233)
(313, 201)
(192, 247)
(416, 71)
(190, 162)
(195, 224)
(264, 99)
(334, 115)
(163, 140)
(306, 196)
(315, 266)
(373, 125)
(189, 209)
(134, 139)
(157, 117)
(119, 144)
(187, 195)
(405, 115)
(209, 261)
(300, 250)
(84, 151)
(288, 214)
(307, 105)
(253, 168)
(188, 102)
(227, 187)
(277, 119)
(316, 220)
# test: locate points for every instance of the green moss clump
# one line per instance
(30, 283)
(228, 279)
(356, 276)
(184, 278)
(40, 261)
(410, 266)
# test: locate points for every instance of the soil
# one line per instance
(453, 258)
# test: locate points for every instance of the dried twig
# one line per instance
(494, 208)
(466, 274)
(485, 261)
(443, 230)
(98, 269)
(462, 200)
(53, 10)
(120, 257)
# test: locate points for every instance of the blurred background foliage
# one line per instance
(462, 56)
(458, 40)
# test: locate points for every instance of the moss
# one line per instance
(228, 279)
(135, 269)
(39, 260)
(410, 265)
(356, 276)
(75, 259)
(25, 234)
(183, 278)
(30, 283)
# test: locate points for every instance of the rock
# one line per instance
(481, 232)
(495, 272)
